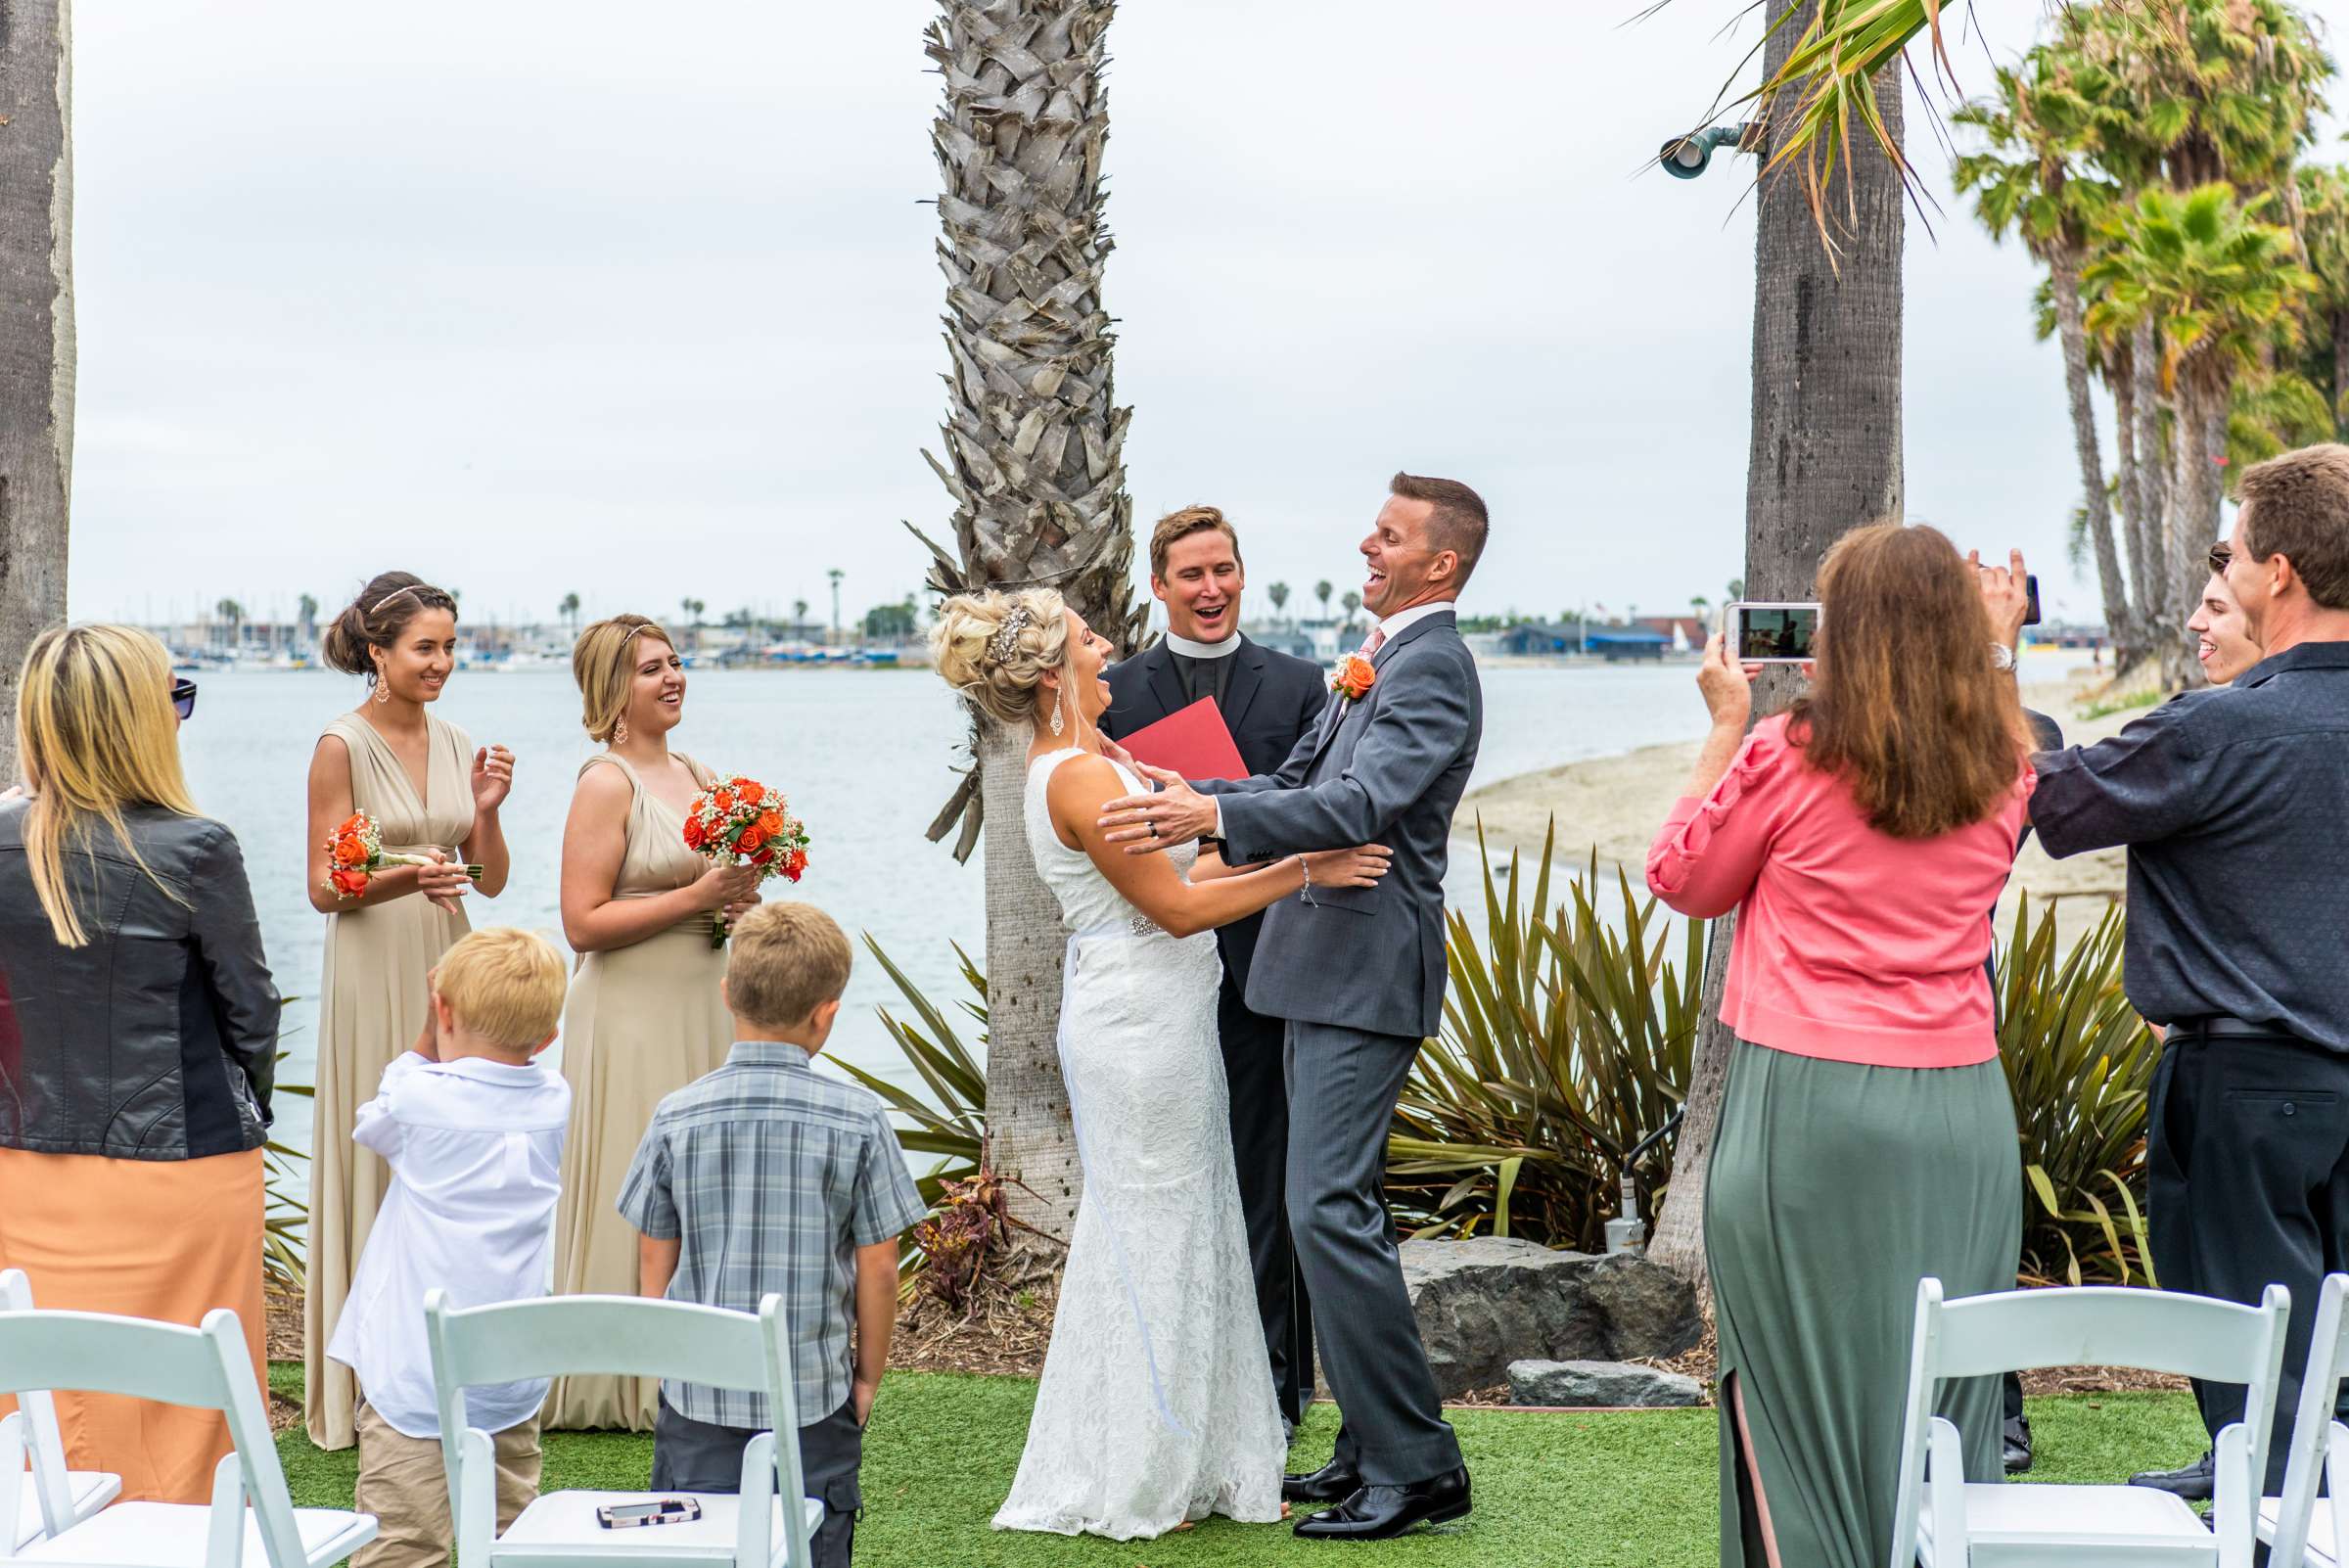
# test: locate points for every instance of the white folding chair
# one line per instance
(49, 1496)
(1943, 1519)
(636, 1337)
(2295, 1529)
(207, 1369)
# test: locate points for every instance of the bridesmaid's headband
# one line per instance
(416, 589)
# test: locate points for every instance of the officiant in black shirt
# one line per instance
(1269, 701)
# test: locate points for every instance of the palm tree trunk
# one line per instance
(2205, 393)
(1032, 447)
(2148, 550)
(37, 336)
(1824, 458)
(2072, 330)
(2130, 481)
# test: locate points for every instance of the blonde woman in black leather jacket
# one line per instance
(138, 1031)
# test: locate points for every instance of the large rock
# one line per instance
(1489, 1301)
(1610, 1385)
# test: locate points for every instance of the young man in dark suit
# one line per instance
(1267, 700)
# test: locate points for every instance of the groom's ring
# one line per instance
(1154, 827)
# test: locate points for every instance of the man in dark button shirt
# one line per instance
(2231, 804)
(1267, 700)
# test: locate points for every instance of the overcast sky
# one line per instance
(641, 301)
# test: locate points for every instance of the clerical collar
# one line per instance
(1203, 650)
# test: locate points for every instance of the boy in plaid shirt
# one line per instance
(767, 1176)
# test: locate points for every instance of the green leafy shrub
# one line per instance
(1566, 1041)
(952, 1123)
(2080, 1063)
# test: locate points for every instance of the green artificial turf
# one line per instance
(1630, 1490)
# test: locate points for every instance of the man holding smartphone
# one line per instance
(2230, 803)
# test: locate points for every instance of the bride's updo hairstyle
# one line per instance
(604, 664)
(995, 648)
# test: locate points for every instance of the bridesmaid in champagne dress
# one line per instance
(645, 1016)
(429, 791)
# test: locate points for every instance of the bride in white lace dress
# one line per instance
(1157, 1406)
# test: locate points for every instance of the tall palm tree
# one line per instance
(799, 613)
(309, 618)
(570, 609)
(37, 336)
(2218, 284)
(233, 613)
(1353, 601)
(2024, 181)
(1322, 591)
(1823, 454)
(1278, 593)
(834, 576)
(1033, 458)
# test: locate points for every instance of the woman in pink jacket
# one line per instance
(1867, 1137)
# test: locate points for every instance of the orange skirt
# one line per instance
(167, 1239)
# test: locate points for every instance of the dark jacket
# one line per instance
(1387, 770)
(157, 1041)
(1271, 701)
(2231, 802)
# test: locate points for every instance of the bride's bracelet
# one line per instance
(1306, 868)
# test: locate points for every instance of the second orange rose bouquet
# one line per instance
(355, 853)
(743, 822)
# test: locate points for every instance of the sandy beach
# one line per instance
(1613, 803)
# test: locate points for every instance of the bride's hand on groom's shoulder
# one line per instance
(1147, 823)
(1359, 868)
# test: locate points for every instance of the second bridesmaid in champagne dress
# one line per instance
(645, 1017)
(380, 947)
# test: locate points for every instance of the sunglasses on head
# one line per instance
(2220, 557)
(183, 697)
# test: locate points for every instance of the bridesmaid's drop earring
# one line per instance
(1056, 721)
(620, 734)
(382, 689)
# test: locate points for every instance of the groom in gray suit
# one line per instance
(1357, 974)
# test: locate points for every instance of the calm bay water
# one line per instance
(868, 758)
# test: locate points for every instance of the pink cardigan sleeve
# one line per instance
(1709, 851)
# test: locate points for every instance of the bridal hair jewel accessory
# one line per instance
(1005, 641)
(389, 597)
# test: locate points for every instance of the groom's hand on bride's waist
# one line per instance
(1147, 823)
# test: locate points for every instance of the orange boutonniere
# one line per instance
(1355, 676)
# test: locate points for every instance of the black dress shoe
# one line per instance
(2017, 1445)
(1374, 1513)
(2193, 1483)
(1334, 1482)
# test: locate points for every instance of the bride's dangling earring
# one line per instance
(1057, 725)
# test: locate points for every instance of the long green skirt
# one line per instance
(1833, 1188)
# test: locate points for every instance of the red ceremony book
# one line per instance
(1191, 741)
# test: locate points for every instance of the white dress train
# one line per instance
(1157, 1404)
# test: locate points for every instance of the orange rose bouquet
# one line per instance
(743, 822)
(355, 853)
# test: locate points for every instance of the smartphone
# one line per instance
(1777, 633)
(2031, 585)
(663, 1510)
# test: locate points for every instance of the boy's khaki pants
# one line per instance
(403, 1484)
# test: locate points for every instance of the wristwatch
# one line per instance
(2001, 656)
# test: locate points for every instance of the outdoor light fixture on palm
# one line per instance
(1685, 158)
